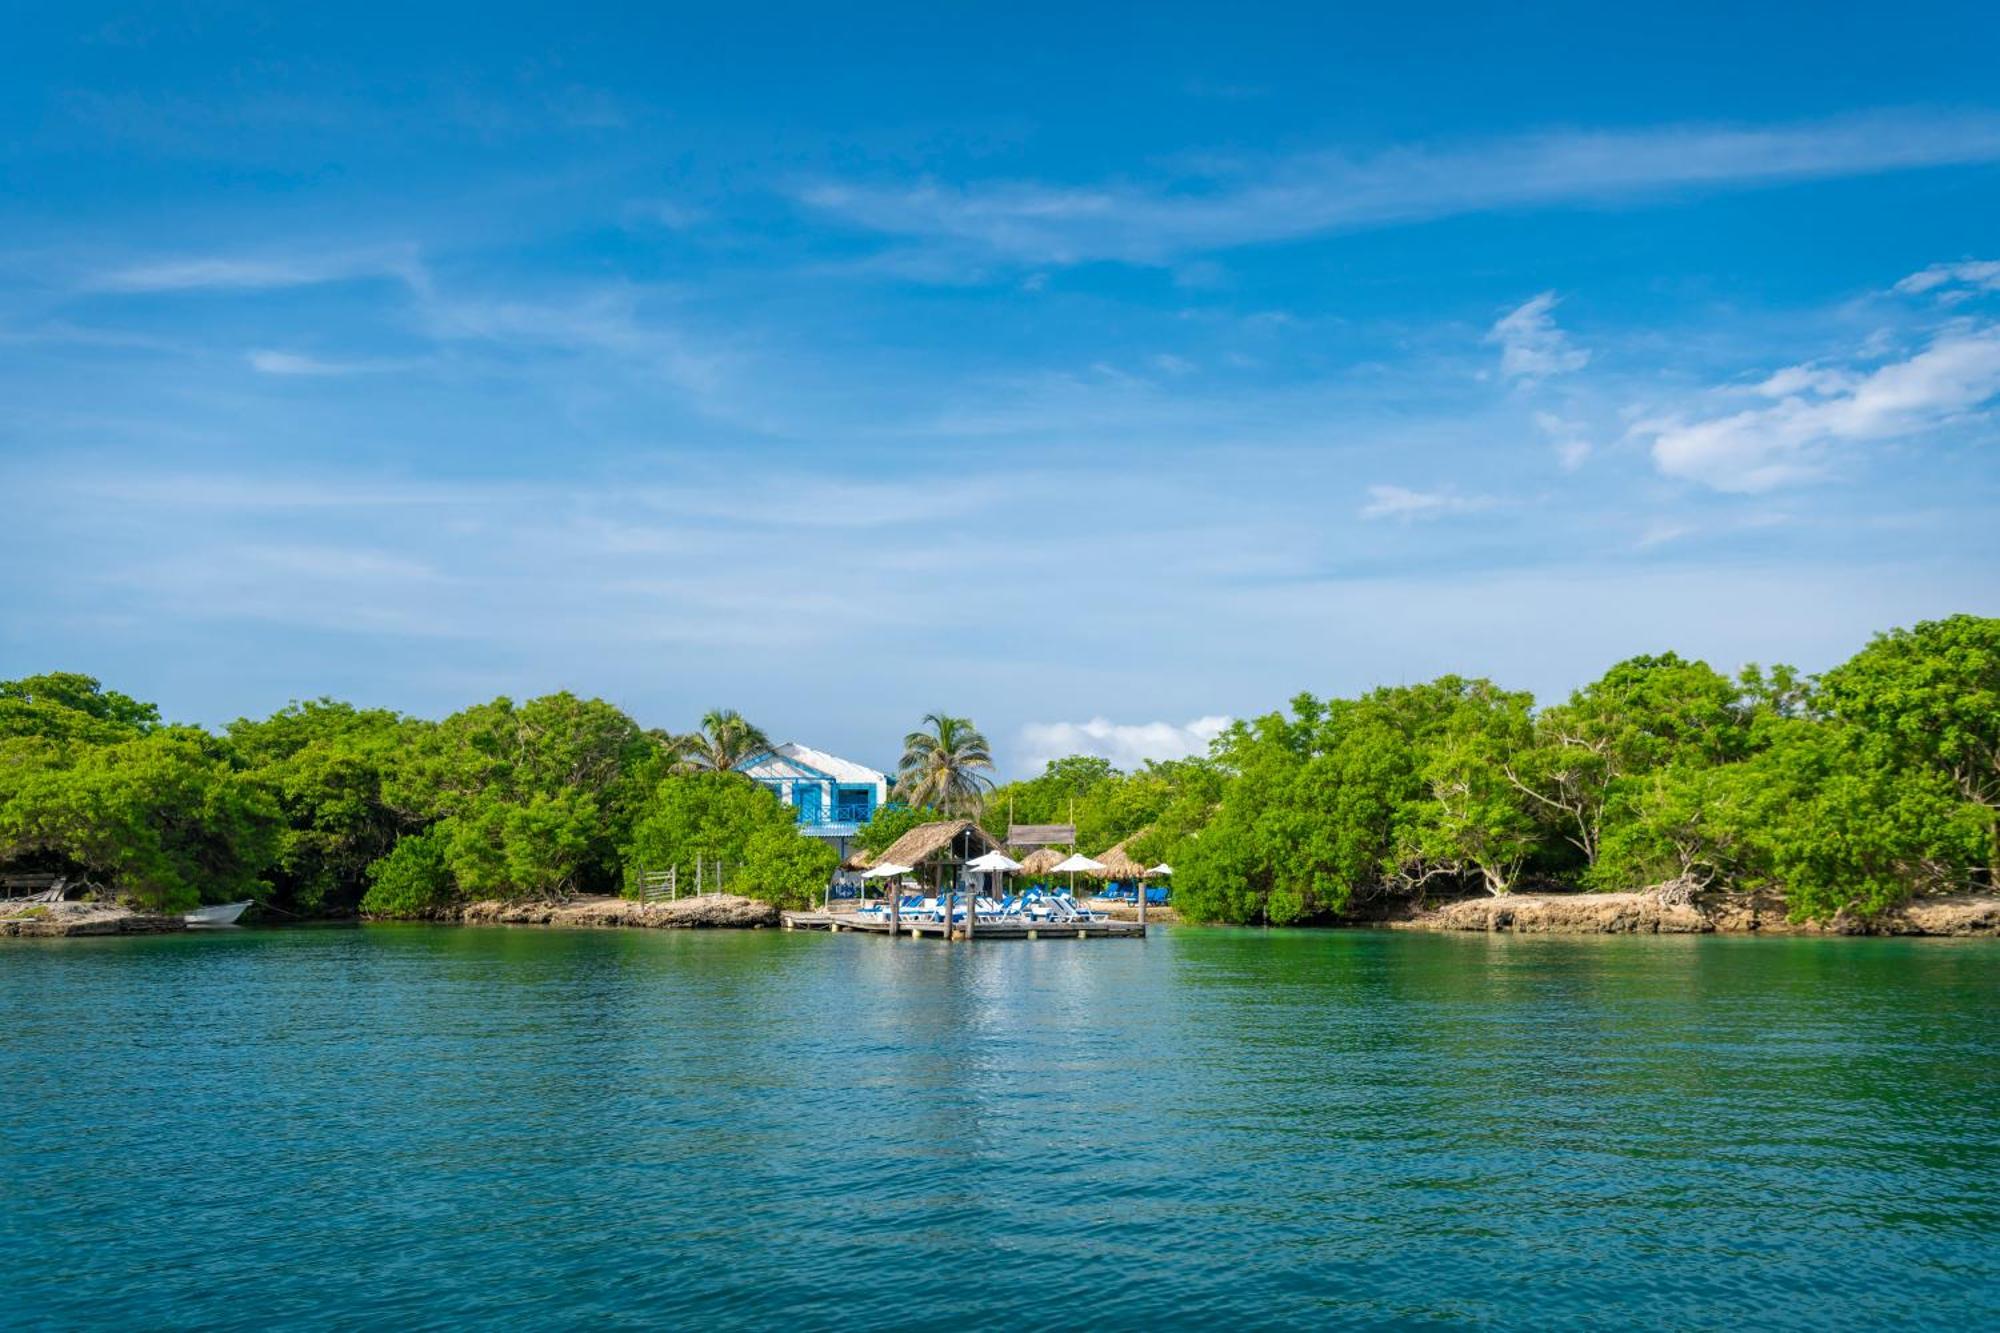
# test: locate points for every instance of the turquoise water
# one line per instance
(419, 1126)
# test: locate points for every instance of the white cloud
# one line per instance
(1316, 193)
(268, 362)
(1531, 346)
(1572, 447)
(262, 272)
(1400, 502)
(1660, 532)
(1126, 744)
(1817, 409)
(1954, 282)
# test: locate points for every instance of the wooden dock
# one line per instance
(982, 930)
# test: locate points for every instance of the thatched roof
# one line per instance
(1040, 861)
(928, 842)
(1118, 864)
(857, 860)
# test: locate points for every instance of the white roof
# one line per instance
(792, 760)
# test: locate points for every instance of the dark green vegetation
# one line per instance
(1854, 791)
(324, 808)
(1850, 792)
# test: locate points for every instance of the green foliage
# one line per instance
(726, 739)
(327, 763)
(783, 866)
(945, 765)
(162, 818)
(1847, 795)
(891, 822)
(64, 706)
(1929, 698)
(531, 800)
(412, 880)
(1643, 714)
(706, 817)
(1154, 807)
(1816, 813)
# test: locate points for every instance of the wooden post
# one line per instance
(1142, 902)
(895, 909)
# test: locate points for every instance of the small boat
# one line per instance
(220, 914)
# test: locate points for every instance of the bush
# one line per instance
(412, 880)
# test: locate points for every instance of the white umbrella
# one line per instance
(1161, 869)
(989, 863)
(1077, 861)
(887, 870)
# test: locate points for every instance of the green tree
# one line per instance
(782, 866)
(1643, 714)
(412, 880)
(889, 823)
(709, 817)
(1929, 698)
(161, 819)
(65, 707)
(326, 763)
(726, 739)
(945, 765)
(500, 780)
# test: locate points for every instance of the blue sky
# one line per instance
(1096, 375)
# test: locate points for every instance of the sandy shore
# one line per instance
(1735, 914)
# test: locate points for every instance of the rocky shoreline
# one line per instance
(58, 920)
(722, 911)
(1654, 913)
(1644, 913)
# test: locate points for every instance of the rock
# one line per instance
(54, 920)
(712, 912)
(1675, 913)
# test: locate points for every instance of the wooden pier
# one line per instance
(981, 930)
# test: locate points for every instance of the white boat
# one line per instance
(221, 914)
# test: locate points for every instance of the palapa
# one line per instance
(1119, 864)
(926, 842)
(1041, 861)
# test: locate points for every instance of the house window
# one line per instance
(853, 805)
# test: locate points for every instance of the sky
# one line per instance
(1100, 374)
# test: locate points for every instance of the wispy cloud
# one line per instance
(1400, 502)
(267, 361)
(1808, 410)
(1309, 194)
(1954, 282)
(256, 272)
(1126, 744)
(1568, 438)
(1531, 346)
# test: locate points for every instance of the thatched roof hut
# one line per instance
(1040, 861)
(858, 860)
(1118, 864)
(947, 843)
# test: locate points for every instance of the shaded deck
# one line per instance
(997, 930)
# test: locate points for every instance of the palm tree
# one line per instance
(941, 766)
(725, 740)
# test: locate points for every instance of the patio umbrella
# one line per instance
(995, 862)
(888, 870)
(1074, 863)
(1161, 869)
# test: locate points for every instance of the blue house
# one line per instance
(834, 797)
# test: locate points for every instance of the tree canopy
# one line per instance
(1845, 794)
